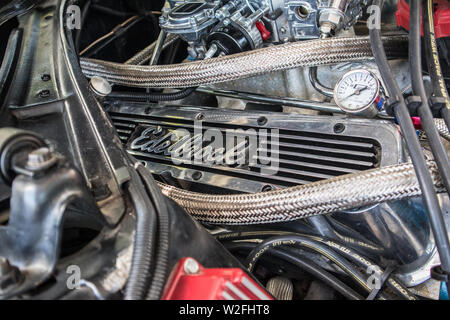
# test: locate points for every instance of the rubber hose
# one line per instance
(317, 85)
(349, 253)
(326, 277)
(144, 241)
(153, 97)
(267, 233)
(162, 254)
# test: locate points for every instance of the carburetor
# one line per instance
(217, 27)
(222, 27)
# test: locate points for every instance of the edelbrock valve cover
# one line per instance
(251, 151)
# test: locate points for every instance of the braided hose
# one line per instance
(145, 55)
(322, 197)
(442, 128)
(241, 65)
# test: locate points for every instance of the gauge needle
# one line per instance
(356, 91)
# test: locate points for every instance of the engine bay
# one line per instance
(224, 150)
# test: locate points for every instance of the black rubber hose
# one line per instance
(304, 264)
(162, 255)
(322, 226)
(356, 240)
(427, 121)
(432, 57)
(144, 241)
(351, 242)
(305, 242)
(424, 112)
(317, 85)
(415, 151)
(151, 97)
(326, 277)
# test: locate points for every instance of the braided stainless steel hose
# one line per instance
(242, 65)
(145, 55)
(322, 197)
(442, 128)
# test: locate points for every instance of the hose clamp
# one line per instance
(436, 104)
(413, 103)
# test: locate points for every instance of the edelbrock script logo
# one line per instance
(230, 147)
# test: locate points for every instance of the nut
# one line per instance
(331, 16)
(40, 159)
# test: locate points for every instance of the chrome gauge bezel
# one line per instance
(365, 106)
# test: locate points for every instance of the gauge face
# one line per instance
(356, 91)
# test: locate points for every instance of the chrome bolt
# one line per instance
(191, 266)
(100, 86)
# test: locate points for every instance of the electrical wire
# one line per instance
(305, 242)
(127, 23)
(347, 252)
(423, 110)
(304, 264)
(432, 57)
(117, 13)
(409, 134)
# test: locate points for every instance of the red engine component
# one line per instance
(191, 281)
(441, 17)
(265, 34)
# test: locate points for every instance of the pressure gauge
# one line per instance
(358, 93)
